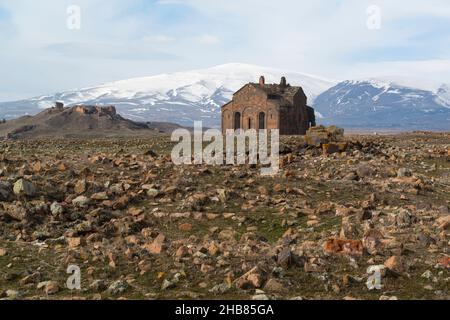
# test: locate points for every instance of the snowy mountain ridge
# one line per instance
(180, 97)
(184, 97)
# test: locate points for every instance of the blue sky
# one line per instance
(123, 39)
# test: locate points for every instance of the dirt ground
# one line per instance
(139, 227)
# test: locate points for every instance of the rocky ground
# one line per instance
(139, 227)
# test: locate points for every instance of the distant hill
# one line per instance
(181, 97)
(197, 95)
(79, 121)
(376, 104)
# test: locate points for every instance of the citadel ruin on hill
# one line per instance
(87, 109)
(269, 106)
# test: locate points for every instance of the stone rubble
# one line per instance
(140, 227)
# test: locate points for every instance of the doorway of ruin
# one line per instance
(237, 121)
(262, 121)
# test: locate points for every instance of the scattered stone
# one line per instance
(253, 279)
(167, 285)
(349, 247)
(182, 251)
(74, 242)
(157, 246)
(56, 209)
(23, 187)
(220, 289)
(444, 262)
(443, 223)
(106, 213)
(118, 287)
(98, 286)
(5, 190)
(274, 286)
(185, 227)
(444, 210)
(404, 172)
(13, 294)
(227, 235)
(100, 196)
(49, 287)
(396, 264)
(388, 298)
(15, 211)
(80, 187)
(350, 229)
(427, 274)
(153, 193)
(330, 148)
(3, 252)
(260, 297)
(81, 201)
(170, 284)
(213, 249)
(285, 258)
(364, 171)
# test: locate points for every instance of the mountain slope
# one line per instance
(179, 97)
(444, 93)
(76, 122)
(378, 104)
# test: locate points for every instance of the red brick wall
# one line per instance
(250, 102)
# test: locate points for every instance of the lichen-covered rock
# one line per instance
(24, 187)
(253, 279)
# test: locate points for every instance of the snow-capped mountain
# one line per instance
(178, 97)
(379, 104)
(444, 93)
(184, 97)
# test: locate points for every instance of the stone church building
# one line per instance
(269, 106)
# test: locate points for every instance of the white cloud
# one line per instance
(207, 39)
(170, 2)
(160, 38)
(425, 74)
(121, 39)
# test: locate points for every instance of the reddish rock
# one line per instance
(350, 247)
(396, 264)
(445, 262)
(330, 148)
(182, 252)
(213, 249)
(185, 227)
(74, 242)
(443, 223)
(135, 211)
(274, 286)
(80, 187)
(157, 246)
(251, 280)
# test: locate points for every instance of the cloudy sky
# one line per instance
(117, 39)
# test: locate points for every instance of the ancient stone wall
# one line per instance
(252, 108)
(101, 111)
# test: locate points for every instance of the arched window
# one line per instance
(249, 123)
(237, 121)
(262, 120)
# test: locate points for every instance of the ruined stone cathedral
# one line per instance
(269, 106)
